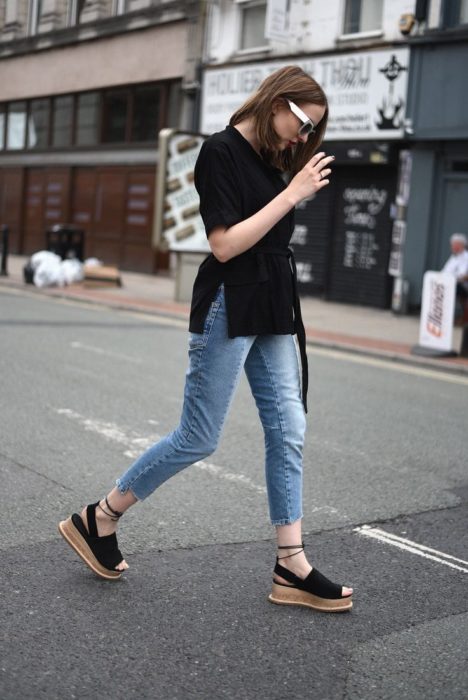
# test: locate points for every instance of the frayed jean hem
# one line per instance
(125, 489)
(287, 521)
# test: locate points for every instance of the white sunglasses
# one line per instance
(308, 126)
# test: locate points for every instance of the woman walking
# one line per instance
(245, 311)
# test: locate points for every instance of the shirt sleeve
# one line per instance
(449, 266)
(217, 185)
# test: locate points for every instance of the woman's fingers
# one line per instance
(320, 160)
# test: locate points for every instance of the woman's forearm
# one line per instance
(227, 243)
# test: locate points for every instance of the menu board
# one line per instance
(311, 241)
(362, 237)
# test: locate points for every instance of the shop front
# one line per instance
(438, 126)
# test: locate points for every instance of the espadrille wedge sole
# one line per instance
(100, 554)
(290, 595)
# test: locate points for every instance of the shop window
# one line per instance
(363, 16)
(2, 126)
(16, 125)
(116, 103)
(62, 121)
(174, 105)
(252, 24)
(146, 114)
(87, 119)
(38, 124)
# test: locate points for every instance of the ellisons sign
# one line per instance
(366, 91)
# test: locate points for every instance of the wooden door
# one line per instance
(46, 204)
(137, 253)
(11, 205)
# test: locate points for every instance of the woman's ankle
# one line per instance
(298, 563)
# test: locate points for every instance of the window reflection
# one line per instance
(87, 119)
(16, 127)
(2, 126)
(146, 114)
(63, 116)
(115, 116)
(38, 124)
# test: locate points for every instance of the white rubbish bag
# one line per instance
(47, 268)
(72, 270)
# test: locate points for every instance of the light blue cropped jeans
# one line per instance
(215, 366)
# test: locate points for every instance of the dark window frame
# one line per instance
(4, 107)
(450, 15)
(25, 139)
(52, 125)
(164, 87)
(49, 124)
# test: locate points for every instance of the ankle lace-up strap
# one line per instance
(300, 547)
(116, 514)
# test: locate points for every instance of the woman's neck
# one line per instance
(247, 128)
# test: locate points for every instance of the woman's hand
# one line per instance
(311, 178)
(227, 243)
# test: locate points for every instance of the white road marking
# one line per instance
(101, 351)
(390, 364)
(413, 547)
(135, 444)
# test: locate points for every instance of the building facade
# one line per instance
(357, 52)
(437, 124)
(85, 87)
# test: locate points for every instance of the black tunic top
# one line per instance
(260, 285)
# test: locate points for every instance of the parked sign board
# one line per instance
(438, 301)
(178, 221)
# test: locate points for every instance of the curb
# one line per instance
(415, 361)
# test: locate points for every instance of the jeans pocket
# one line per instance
(199, 340)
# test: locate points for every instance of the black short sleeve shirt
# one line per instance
(234, 183)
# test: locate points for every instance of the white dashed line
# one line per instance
(135, 444)
(101, 351)
(413, 547)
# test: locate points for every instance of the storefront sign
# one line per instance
(366, 91)
(438, 300)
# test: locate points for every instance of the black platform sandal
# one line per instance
(315, 591)
(101, 554)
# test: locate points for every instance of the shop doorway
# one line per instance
(453, 217)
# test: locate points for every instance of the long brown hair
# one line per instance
(292, 83)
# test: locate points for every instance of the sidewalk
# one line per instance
(340, 326)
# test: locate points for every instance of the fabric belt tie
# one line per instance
(298, 323)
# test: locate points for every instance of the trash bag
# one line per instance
(72, 270)
(43, 256)
(93, 262)
(47, 269)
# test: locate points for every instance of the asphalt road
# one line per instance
(84, 390)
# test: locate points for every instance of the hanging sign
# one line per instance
(438, 303)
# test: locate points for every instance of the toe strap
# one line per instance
(320, 585)
(105, 548)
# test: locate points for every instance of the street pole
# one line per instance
(3, 265)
